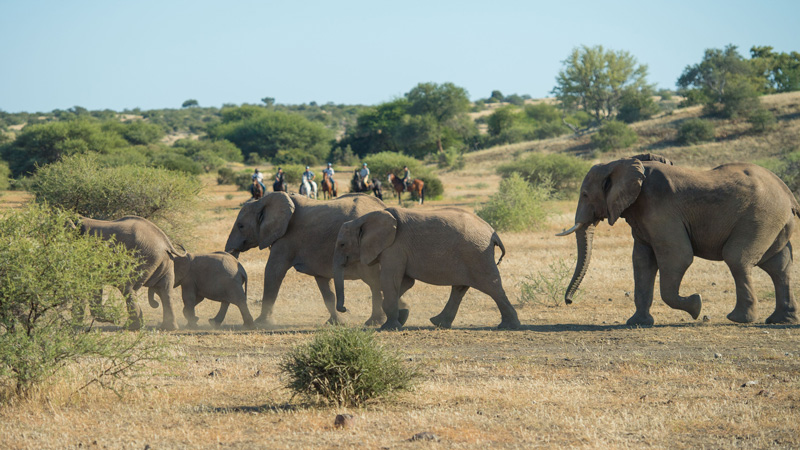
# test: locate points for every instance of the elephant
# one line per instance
(446, 247)
(301, 233)
(215, 276)
(155, 251)
(738, 213)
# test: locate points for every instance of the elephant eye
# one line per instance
(240, 225)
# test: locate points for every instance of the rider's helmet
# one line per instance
(329, 164)
(307, 167)
(365, 164)
(256, 171)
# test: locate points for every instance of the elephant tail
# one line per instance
(243, 273)
(496, 241)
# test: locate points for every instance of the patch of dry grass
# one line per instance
(573, 376)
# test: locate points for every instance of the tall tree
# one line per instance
(441, 102)
(594, 79)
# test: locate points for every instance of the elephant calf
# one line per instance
(217, 276)
(446, 247)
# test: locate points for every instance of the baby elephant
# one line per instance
(446, 247)
(217, 276)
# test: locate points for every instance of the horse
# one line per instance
(356, 185)
(417, 186)
(308, 188)
(279, 186)
(328, 190)
(257, 189)
(376, 189)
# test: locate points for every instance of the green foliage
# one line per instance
(594, 79)
(614, 135)
(695, 131)
(786, 167)
(451, 159)
(172, 160)
(546, 287)
(508, 124)
(780, 72)
(762, 120)
(433, 185)
(81, 184)
(517, 206)
(43, 298)
(503, 118)
(636, 105)
(221, 149)
(139, 132)
(563, 172)
(345, 366)
(48, 142)
(226, 175)
(382, 164)
(543, 113)
(344, 156)
(266, 132)
(190, 103)
(5, 174)
(740, 99)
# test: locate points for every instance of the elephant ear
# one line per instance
(377, 233)
(622, 187)
(273, 218)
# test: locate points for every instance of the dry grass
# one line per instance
(573, 376)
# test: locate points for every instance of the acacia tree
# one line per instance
(440, 102)
(594, 80)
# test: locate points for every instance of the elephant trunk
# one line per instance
(584, 236)
(338, 281)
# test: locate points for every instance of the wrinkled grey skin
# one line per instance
(301, 233)
(155, 251)
(738, 213)
(446, 247)
(216, 276)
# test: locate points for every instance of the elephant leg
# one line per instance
(217, 320)
(164, 291)
(97, 309)
(493, 287)
(779, 268)
(644, 279)
(391, 283)
(377, 317)
(673, 263)
(240, 300)
(745, 309)
(274, 273)
(135, 321)
(402, 307)
(324, 285)
(445, 318)
(190, 300)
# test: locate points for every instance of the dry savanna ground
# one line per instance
(573, 376)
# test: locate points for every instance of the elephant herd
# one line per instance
(738, 213)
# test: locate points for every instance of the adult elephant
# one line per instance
(447, 247)
(301, 233)
(738, 213)
(156, 253)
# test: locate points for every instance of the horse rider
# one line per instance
(258, 176)
(329, 171)
(364, 174)
(406, 178)
(279, 180)
(308, 179)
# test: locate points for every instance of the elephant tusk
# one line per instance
(571, 230)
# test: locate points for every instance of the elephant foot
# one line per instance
(694, 303)
(134, 324)
(215, 323)
(375, 321)
(741, 315)
(168, 326)
(248, 325)
(783, 317)
(509, 324)
(402, 316)
(640, 320)
(192, 325)
(265, 321)
(334, 320)
(391, 325)
(442, 322)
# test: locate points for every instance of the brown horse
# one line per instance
(257, 189)
(417, 186)
(328, 191)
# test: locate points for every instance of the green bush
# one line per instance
(614, 135)
(564, 173)
(345, 366)
(695, 131)
(171, 160)
(546, 287)
(636, 105)
(220, 148)
(43, 301)
(5, 175)
(517, 206)
(762, 120)
(81, 184)
(451, 159)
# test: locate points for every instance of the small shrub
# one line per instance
(695, 131)
(563, 172)
(762, 120)
(345, 366)
(614, 135)
(451, 158)
(5, 175)
(42, 328)
(517, 206)
(226, 175)
(547, 286)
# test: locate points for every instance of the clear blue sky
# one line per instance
(158, 53)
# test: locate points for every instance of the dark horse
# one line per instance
(358, 185)
(328, 190)
(416, 187)
(257, 189)
(279, 186)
